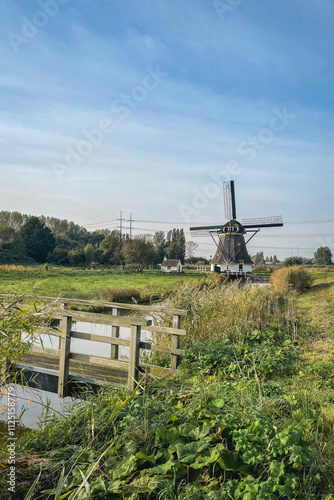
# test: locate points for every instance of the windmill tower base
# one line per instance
(234, 272)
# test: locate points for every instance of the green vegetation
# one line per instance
(294, 278)
(221, 310)
(249, 414)
(14, 320)
(292, 261)
(28, 239)
(87, 283)
(323, 256)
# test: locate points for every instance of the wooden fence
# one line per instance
(66, 359)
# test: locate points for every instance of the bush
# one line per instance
(294, 278)
(9, 257)
(292, 261)
(134, 268)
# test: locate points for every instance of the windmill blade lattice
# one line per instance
(275, 221)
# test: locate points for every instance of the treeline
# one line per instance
(322, 257)
(29, 239)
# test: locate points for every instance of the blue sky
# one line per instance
(188, 93)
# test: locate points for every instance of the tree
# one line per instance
(110, 248)
(138, 251)
(11, 240)
(258, 259)
(38, 239)
(292, 261)
(323, 256)
(191, 247)
(176, 245)
(77, 257)
(89, 254)
(59, 256)
(159, 245)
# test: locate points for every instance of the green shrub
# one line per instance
(292, 261)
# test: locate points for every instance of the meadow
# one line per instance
(85, 283)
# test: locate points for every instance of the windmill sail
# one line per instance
(229, 200)
(204, 230)
(276, 221)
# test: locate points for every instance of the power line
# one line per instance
(99, 223)
(310, 221)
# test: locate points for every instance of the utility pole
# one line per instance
(120, 223)
(130, 225)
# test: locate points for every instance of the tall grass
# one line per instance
(227, 310)
(12, 268)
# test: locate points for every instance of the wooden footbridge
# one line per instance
(69, 366)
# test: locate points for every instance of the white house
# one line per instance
(171, 266)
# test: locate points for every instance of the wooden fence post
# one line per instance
(175, 342)
(65, 327)
(134, 357)
(115, 333)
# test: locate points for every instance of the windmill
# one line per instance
(232, 257)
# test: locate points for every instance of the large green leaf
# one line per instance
(142, 458)
(207, 459)
(161, 469)
(232, 461)
(187, 452)
(125, 468)
(168, 436)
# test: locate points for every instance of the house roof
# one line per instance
(170, 262)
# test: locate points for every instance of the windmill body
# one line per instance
(231, 254)
(232, 257)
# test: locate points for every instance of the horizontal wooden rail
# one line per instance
(100, 338)
(96, 360)
(156, 371)
(165, 329)
(51, 353)
(101, 319)
(98, 303)
(157, 348)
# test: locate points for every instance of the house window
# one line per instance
(168, 268)
(240, 267)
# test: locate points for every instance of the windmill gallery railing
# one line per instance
(66, 324)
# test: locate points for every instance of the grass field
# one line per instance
(81, 283)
